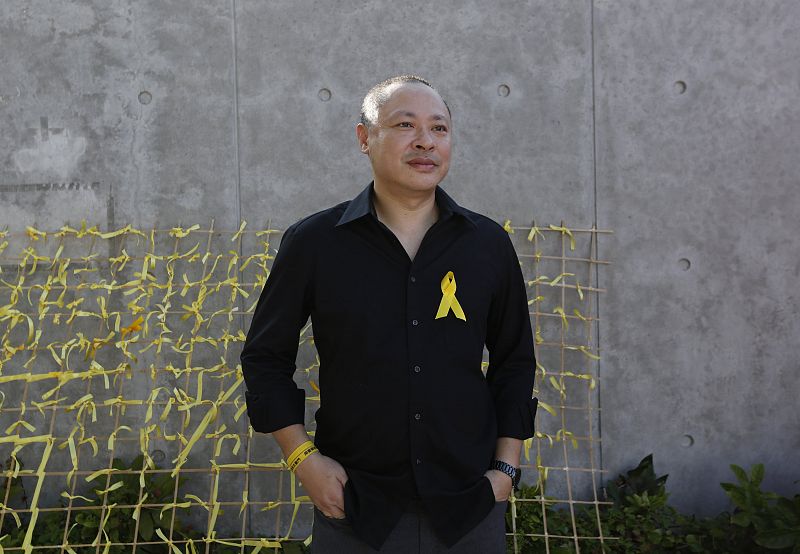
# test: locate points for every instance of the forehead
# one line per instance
(415, 98)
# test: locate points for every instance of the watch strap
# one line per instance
(508, 469)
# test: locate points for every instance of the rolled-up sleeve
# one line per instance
(509, 339)
(270, 350)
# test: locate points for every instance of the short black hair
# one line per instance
(378, 95)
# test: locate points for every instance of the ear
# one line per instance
(362, 133)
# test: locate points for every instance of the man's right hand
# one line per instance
(324, 479)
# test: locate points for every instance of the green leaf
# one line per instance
(163, 520)
(162, 487)
(739, 497)
(138, 462)
(742, 519)
(88, 520)
(117, 463)
(778, 538)
(741, 475)
(146, 526)
(787, 511)
(757, 474)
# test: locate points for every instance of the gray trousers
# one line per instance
(412, 535)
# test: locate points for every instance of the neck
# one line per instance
(405, 212)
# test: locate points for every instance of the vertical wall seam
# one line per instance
(597, 244)
(236, 117)
(235, 52)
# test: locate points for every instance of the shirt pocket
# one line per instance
(463, 339)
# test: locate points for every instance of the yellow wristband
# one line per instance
(299, 454)
(303, 455)
(290, 458)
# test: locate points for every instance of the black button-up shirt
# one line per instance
(404, 404)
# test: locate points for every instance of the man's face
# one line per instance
(409, 146)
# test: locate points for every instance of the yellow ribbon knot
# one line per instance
(449, 300)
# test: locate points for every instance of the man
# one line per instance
(417, 449)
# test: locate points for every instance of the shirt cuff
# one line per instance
(517, 421)
(269, 412)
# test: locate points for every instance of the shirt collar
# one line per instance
(363, 205)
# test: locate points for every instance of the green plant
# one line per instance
(16, 499)
(536, 512)
(120, 525)
(772, 521)
(640, 519)
(638, 481)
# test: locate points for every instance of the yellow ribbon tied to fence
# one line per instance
(449, 300)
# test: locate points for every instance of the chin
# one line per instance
(424, 185)
(414, 182)
(425, 182)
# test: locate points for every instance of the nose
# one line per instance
(424, 140)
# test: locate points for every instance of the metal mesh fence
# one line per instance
(122, 414)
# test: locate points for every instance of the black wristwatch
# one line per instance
(514, 472)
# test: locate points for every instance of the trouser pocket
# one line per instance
(333, 521)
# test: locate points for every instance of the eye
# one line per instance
(440, 128)
(406, 124)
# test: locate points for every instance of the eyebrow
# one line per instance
(436, 117)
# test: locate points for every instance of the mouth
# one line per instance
(424, 164)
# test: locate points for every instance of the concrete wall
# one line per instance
(673, 123)
(697, 133)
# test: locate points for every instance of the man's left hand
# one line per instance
(501, 484)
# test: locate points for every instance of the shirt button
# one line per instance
(414, 322)
(413, 279)
(418, 416)
(417, 369)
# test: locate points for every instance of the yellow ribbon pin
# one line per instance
(449, 300)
